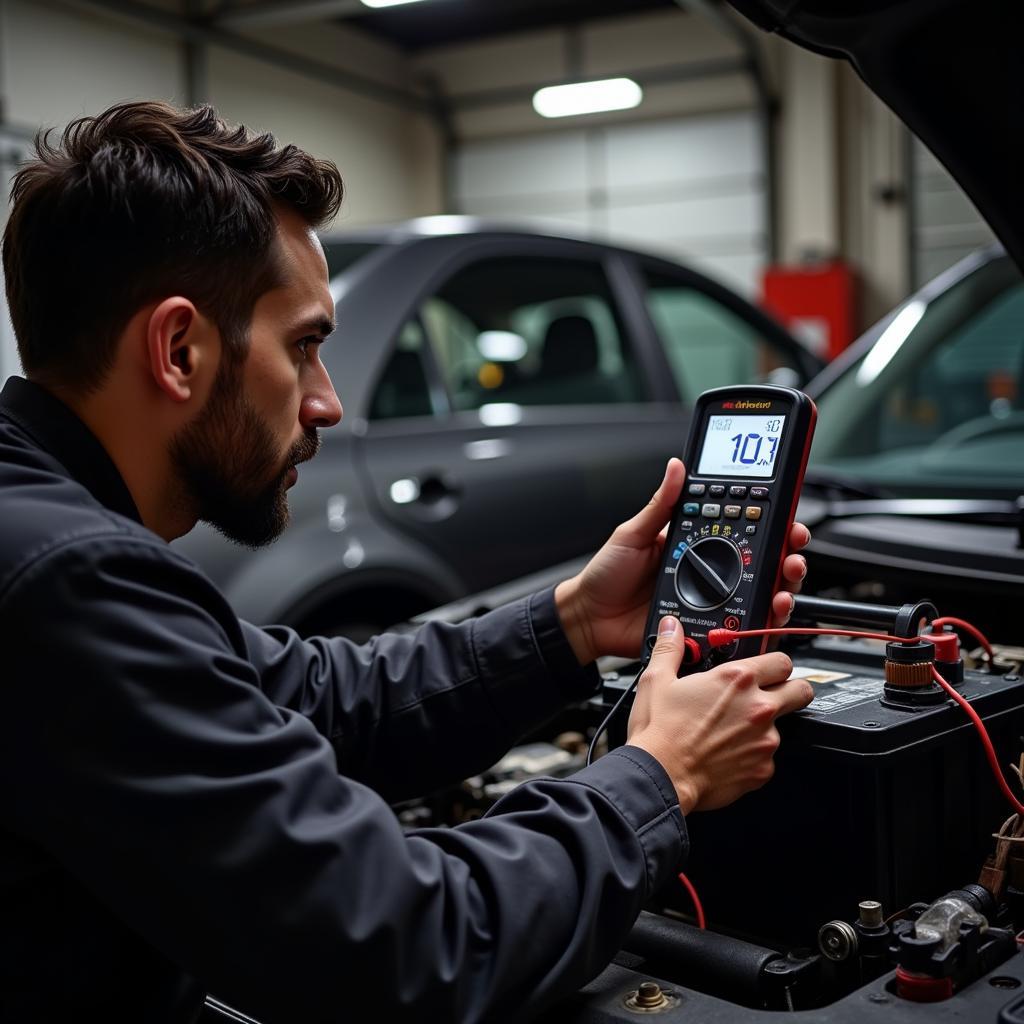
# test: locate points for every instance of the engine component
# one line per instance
(869, 795)
(900, 620)
(908, 674)
(947, 945)
(720, 965)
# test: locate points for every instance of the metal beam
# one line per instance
(279, 12)
(199, 32)
(753, 64)
(643, 76)
(449, 142)
(197, 79)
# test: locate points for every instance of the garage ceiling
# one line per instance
(420, 26)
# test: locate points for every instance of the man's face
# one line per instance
(237, 458)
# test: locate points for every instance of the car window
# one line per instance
(708, 345)
(533, 331)
(938, 402)
(403, 388)
(974, 379)
(341, 255)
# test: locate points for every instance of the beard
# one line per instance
(234, 476)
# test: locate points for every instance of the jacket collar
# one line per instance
(55, 428)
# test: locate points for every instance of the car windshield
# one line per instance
(936, 406)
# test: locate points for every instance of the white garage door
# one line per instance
(692, 187)
(14, 149)
(946, 226)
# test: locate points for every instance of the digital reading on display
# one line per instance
(741, 446)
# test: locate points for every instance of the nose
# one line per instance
(320, 406)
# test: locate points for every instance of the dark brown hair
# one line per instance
(139, 203)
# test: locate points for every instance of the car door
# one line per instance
(517, 419)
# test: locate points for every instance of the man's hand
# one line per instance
(604, 608)
(713, 732)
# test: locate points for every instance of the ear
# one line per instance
(179, 344)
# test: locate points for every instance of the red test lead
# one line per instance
(723, 637)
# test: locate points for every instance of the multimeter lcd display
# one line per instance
(741, 446)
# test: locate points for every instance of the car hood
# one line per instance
(950, 69)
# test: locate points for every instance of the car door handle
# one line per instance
(434, 494)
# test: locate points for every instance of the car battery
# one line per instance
(868, 801)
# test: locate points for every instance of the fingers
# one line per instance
(771, 672)
(799, 537)
(649, 521)
(793, 695)
(782, 608)
(667, 654)
(767, 669)
(794, 569)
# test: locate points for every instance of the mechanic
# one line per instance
(193, 804)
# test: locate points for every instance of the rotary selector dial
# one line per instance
(708, 572)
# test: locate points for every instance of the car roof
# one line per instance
(457, 224)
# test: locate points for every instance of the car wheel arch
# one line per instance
(372, 600)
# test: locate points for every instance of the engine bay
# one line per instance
(880, 868)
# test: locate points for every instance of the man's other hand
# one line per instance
(713, 732)
(604, 608)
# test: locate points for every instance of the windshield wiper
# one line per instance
(836, 485)
(996, 512)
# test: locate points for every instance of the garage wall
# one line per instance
(62, 59)
(946, 225)
(692, 187)
(874, 222)
(683, 174)
(59, 62)
(603, 48)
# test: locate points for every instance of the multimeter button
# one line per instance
(751, 530)
(732, 511)
(691, 508)
(711, 511)
(717, 490)
(753, 511)
(759, 492)
(737, 492)
(696, 489)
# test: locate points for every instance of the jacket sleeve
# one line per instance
(216, 826)
(408, 713)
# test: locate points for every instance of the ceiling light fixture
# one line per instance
(388, 3)
(587, 97)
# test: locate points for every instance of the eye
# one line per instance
(304, 344)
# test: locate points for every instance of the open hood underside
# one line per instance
(950, 69)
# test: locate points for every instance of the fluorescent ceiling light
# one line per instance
(388, 3)
(587, 97)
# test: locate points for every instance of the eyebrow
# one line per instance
(321, 325)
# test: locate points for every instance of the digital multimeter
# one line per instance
(745, 461)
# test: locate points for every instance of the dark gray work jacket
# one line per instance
(192, 804)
